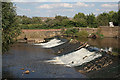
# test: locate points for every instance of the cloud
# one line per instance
(66, 5)
(109, 5)
(21, 9)
(90, 0)
(48, 6)
(61, 0)
(81, 4)
(97, 9)
(45, 6)
(84, 4)
(36, 0)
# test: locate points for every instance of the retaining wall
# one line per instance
(37, 34)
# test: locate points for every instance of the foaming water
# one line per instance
(75, 58)
(51, 43)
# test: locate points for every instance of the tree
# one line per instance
(91, 21)
(114, 17)
(103, 19)
(119, 17)
(80, 20)
(10, 25)
(36, 20)
(60, 18)
(80, 15)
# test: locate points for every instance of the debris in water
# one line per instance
(82, 71)
(26, 72)
(22, 68)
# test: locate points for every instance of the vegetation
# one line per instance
(79, 20)
(10, 27)
(83, 34)
(75, 32)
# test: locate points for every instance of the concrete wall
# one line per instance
(39, 34)
(43, 33)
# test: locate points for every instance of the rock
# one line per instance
(59, 51)
(81, 71)
(85, 68)
(26, 72)
(22, 68)
(96, 61)
(39, 40)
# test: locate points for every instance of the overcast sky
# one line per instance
(51, 9)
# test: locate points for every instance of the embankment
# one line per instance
(38, 35)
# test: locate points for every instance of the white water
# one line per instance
(51, 43)
(75, 58)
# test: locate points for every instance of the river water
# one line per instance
(33, 57)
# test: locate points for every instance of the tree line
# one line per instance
(79, 20)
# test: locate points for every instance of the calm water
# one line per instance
(31, 57)
(104, 43)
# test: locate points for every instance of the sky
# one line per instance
(60, 7)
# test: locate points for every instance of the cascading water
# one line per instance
(75, 58)
(51, 43)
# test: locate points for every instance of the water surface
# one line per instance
(31, 57)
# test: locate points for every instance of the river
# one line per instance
(33, 57)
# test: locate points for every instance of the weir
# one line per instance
(75, 58)
(72, 59)
(51, 43)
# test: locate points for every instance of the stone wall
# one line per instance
(40, 34)
(89, 30)
(110, 31)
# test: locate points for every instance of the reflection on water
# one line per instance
(103, 43)
(31, 57)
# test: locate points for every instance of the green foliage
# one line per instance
(60, 18)
(114, 17)
(79, 20)
(80, 15)
(10, 25)
(119, 17)
(103, 19)
(115, 54)
(76, 32)
(72, 31)
(91, 21)
(82, 34)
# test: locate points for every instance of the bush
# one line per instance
(82, 34)
(72, 31)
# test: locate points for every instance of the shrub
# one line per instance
(72, 31)
(82, 34)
